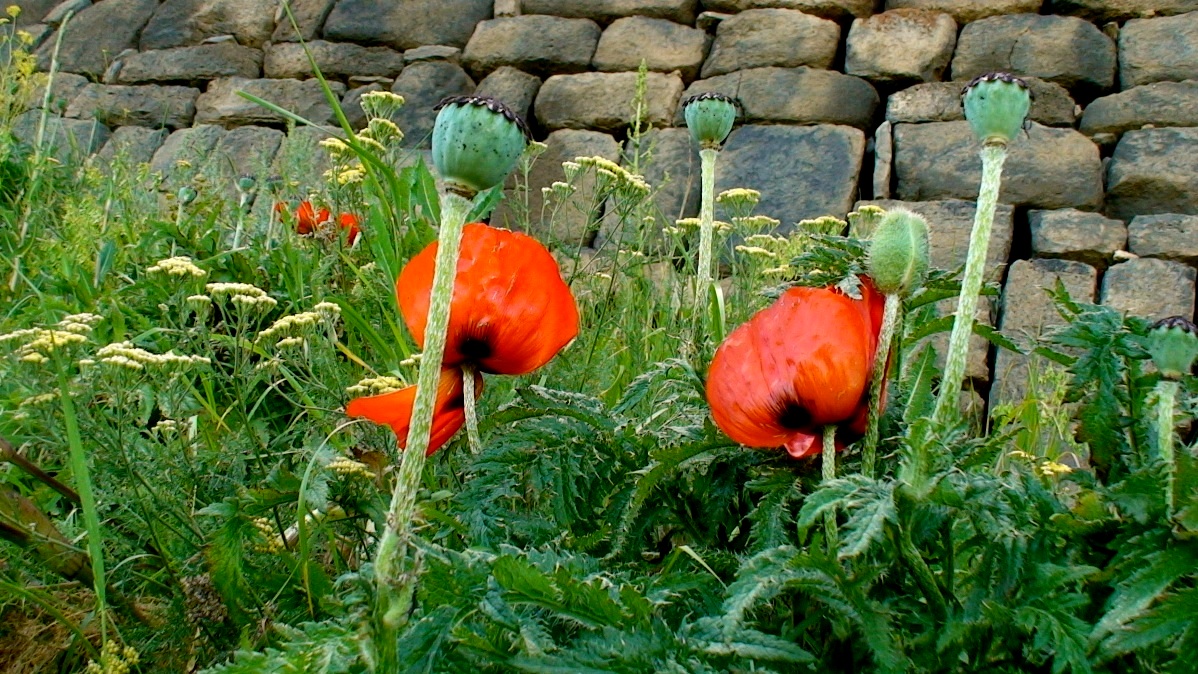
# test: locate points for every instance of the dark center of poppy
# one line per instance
(475, 349)
(794, 417)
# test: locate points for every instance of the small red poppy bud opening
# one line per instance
(511, 311)
(349, 222)
(395, 409)
(795, 367)
(308, 219)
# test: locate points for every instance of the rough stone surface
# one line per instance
(221, 104)
(802, 172)
(433, 52)
(67, 140)
(678, 11)
(300, 159)
(883, 160)
(183, 153)
(1117, 10)
(795, 95)
(335, 60)
(1077, 235)
(964, 11)
(33, 11)
(309, 16)
(56, 16)
(189, 64)
(951, 222)
(542, 45)
(772, 37)
(151, 106)
(1150, 288)
(674, 175)
(830, 9)
(1061, 49)
(244, 151)
(179, 23)
(423, 85)
(97, 35)
(404, 24)
(604, 100)
(570, 223)
(1155, 50)
(1170, 236)
(63, 90)
(664, 46)
(1153, 171)
(901, 45)
(1052, 168)
(514, 87)
(133, 144)
(1028, 311)
(1156, 104)
(941, 102)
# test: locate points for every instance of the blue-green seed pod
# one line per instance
(187, 195)
(898, 252)
(476, 142)
(710, 116)
(996, 105)
(1173, 344)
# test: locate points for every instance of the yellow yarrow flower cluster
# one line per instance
(177, 266)
(114, 659)
(611, 175)
(374, 386)
(241, 293)
(344, 465)
(124, 354)
(272, 542)
(39, 343)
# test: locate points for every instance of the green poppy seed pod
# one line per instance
(709, 116)
(245, 184)
(187, 195)
(476, 142)
(898, 252)
(996, 105)
(1173, 344)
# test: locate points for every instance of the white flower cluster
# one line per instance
(373, 386)
(177, 266)
(739, 197)
(244, 294)
(124, 354)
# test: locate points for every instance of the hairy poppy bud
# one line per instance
(1173, 343)
(996, 105)
(709, 116)
(187, 195)
(898, 252)
(476, 142)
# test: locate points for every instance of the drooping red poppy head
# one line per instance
(308, 219)
(395, 409)
(511, 311)
(795, 367)
(349, 222)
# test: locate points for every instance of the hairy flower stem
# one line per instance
(472, 436)
(829, 474)
(706, 222)
(993, 156)
(923, 575)
(890, 322)
(395, 568)
(1166, 401)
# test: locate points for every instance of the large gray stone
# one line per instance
(33, 11)
(903, 45)
(678, 11)
(335, 60)
(1062, 49)
(191, 64)
(1155, 50)
(423, 85)
(1156, 104)
(772, 37)
(179, 23)
(950, 223)
(1150, 288)
(883, 178)
(62, 10)
(63, 89)
(1077, 235)
(1169, 236)
(97, 35)
(663, 45)
(132, 144)
(604, 100)
(309, 16)
(941, 102)
(404, 24)
(516, 88)
(246, 151)
(542, 45)
(829, 9)
(802, 172)
(183, 154)
(1154, 171)
(221, 104)
(301, 161)
(673, 172)
(1118, 10)
(1051, 168)
(67, 140)
(795, 95)
(151, 106)
(964, 11)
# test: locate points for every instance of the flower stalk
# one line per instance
(891, 315)
(829, 474)
(707, 158)
(470, 406)
(1166, 402)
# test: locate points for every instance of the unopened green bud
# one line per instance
(476, 142)
(187, 195)
(898, 252)
(709, 116)
(245, 184)
(1173, 344)
(996, 105)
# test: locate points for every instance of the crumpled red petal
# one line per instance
(395, 409)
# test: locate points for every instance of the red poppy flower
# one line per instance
(395, 409)
(796, 366)
(308, 219)
(511, 311)
(349, 222)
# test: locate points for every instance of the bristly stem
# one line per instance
(395, 567)
(890, 322)
(707, 157)
(829, 474)
(472, 436)
(993, 156)
(1166, 401)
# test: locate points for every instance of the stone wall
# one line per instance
(845, 101)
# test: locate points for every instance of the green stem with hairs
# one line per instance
(1166, 401)
(395, 568)
(829, 474)
(890, 322)
(993, 156)
(472, 436)
(707, 157)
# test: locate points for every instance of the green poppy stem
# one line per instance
(707, 158)
(891, 318)
(829, 474)
(993, 156)
(1166, 401)
(472, 436)
(396, 568)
